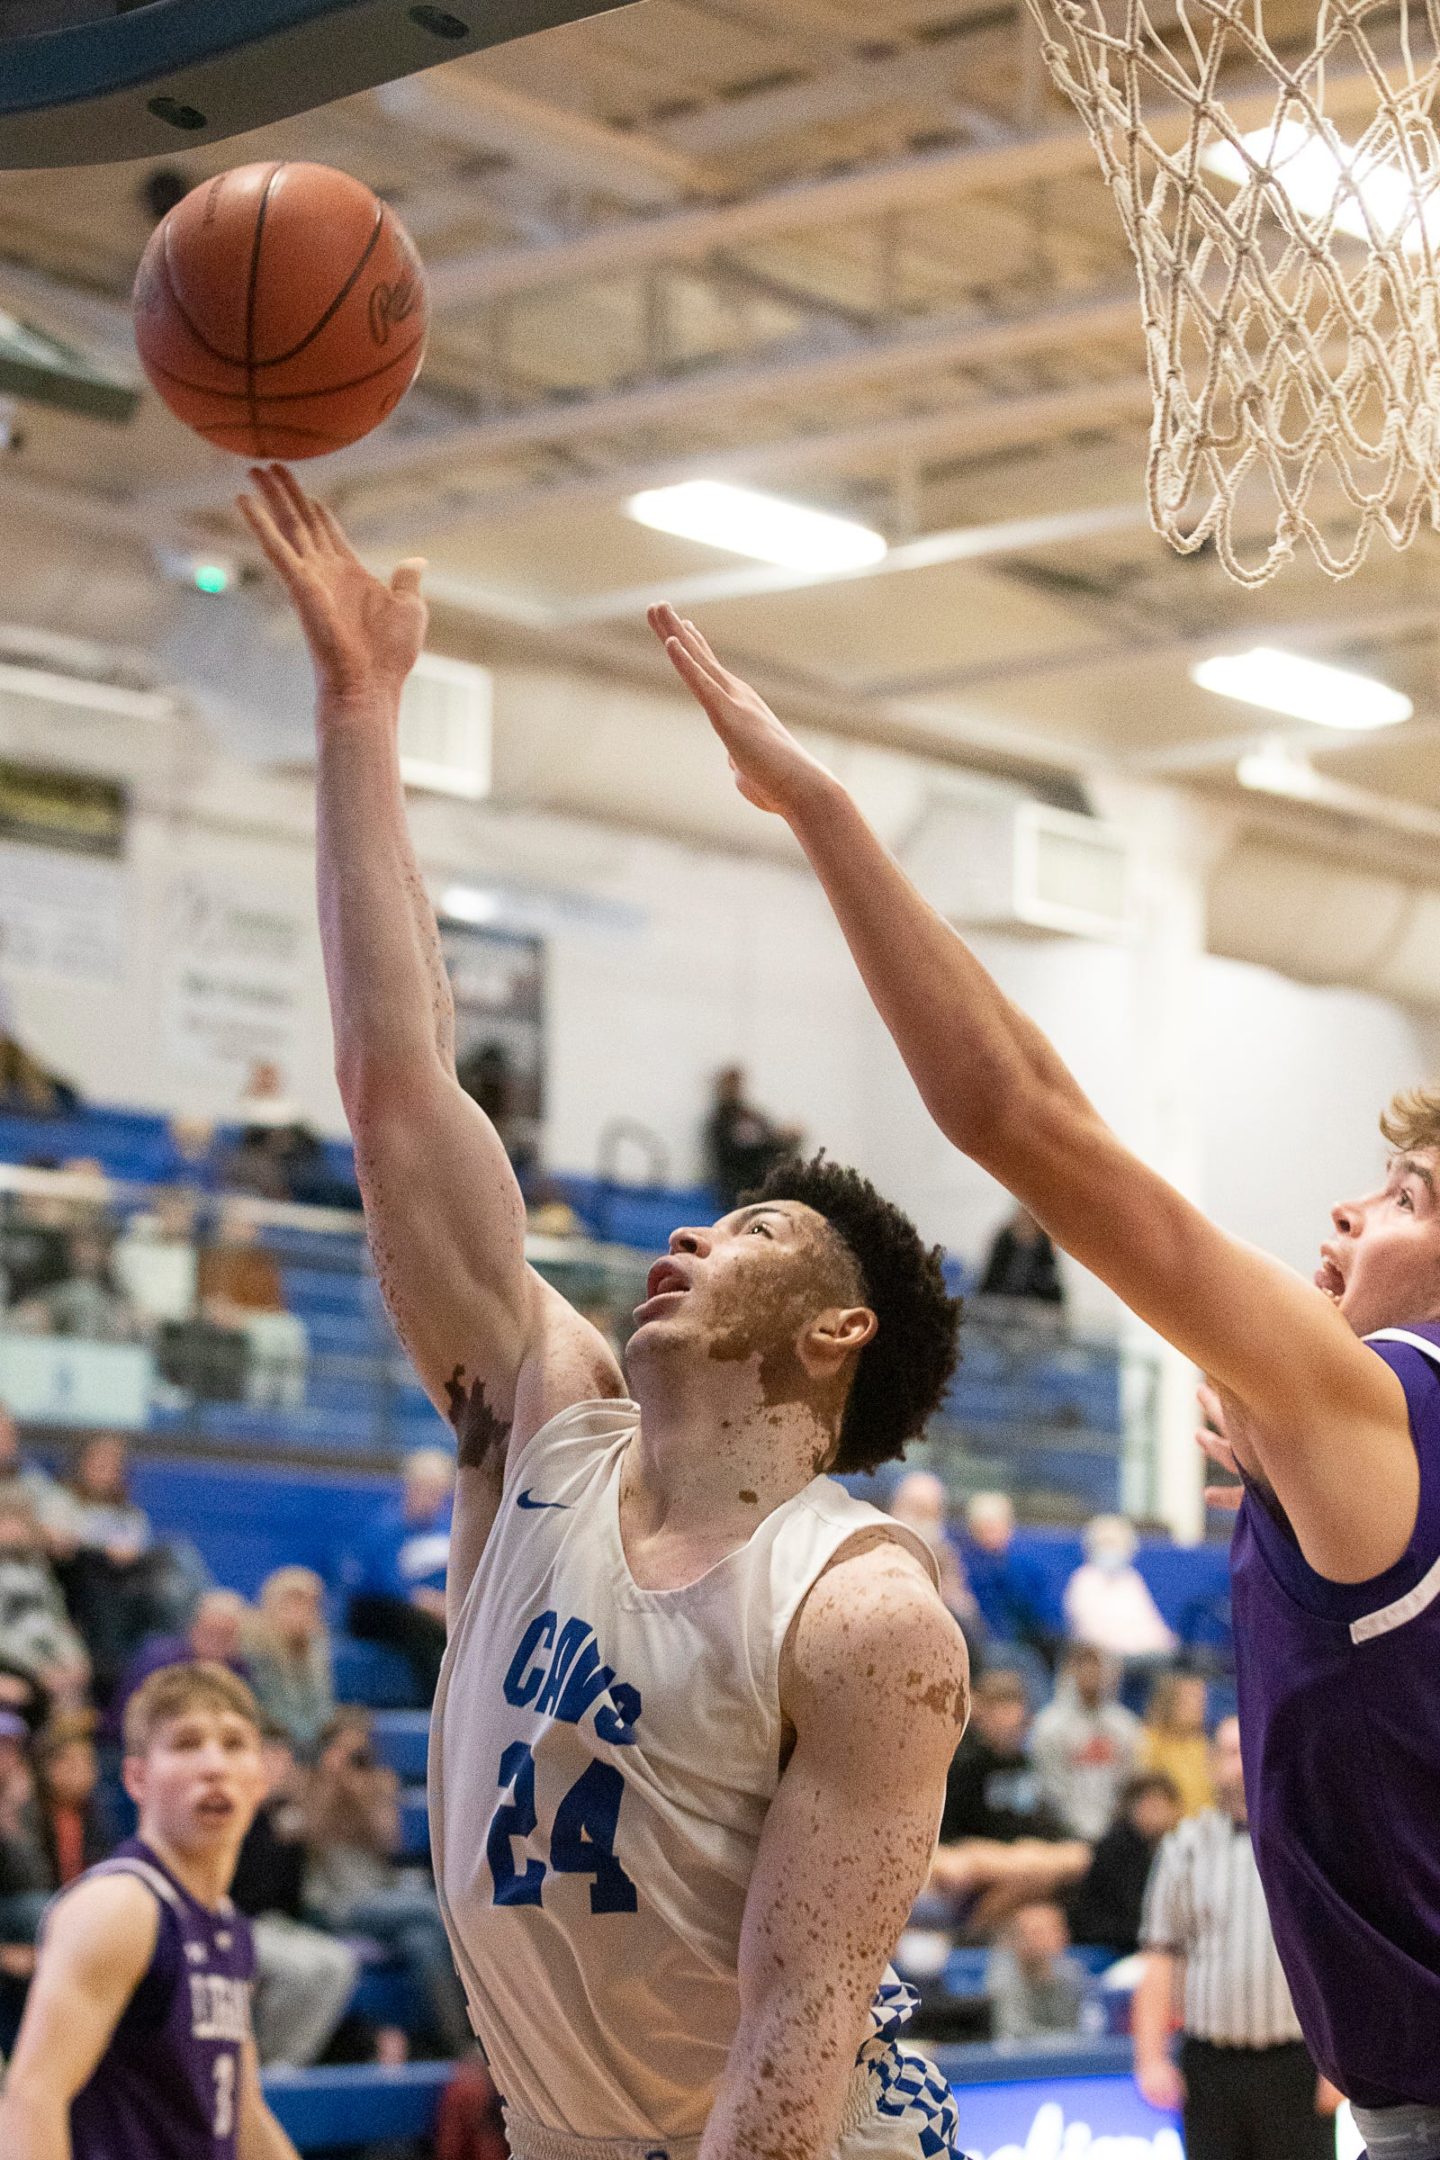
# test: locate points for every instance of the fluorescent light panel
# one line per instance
(1303, 689)
(1310, 172)
(764, 527)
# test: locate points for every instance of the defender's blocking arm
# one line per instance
(497, 1351)
(1325, 1421)
(875, 1681)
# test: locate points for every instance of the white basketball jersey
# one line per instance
(601, 1761)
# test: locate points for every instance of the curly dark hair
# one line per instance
(901, 1374)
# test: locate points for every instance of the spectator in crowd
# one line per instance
(741, 1143)
(240, 1288)
(35, 1243)
(305, 1977)
(487, 1073)
(289, 1657)
(120, 1584)
(88, 1303)
(1107, 1600)
(26, 1482)
(215, 1636)
(278, 1156)
(1107, 1907)
(25, 1886)
(194, 1163)
(154, 1260)
(396, 1576)
(1021, 1263)
(1001, 1843)
(1085, 1745)
(1174, 1739)
(74, 1824)
(919, 1503)
(354, 1883)
(36, 1635)
(1245, 2079)
(27, 1087)
(1010, 1585)
(1037, 1991)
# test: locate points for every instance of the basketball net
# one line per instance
(1287, 245)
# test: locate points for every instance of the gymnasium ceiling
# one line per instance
(854, 251)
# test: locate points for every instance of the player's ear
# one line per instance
(836, 1335)
(132, 1777)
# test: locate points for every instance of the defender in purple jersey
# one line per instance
(136, 2040)
(1337, 1565)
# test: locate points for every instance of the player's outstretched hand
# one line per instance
(1211, 1441)
(771, 770)
(364, 634)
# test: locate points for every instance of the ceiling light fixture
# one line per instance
(764, 527)
(1303, 689)
(1379, 203)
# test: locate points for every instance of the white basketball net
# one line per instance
(1287, 249)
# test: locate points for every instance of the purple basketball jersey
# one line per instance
(168, 2085)
(1340, 1727)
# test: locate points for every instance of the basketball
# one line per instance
(281, 310)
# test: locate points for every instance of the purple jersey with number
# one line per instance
(1340, 1728)
(168, 2085)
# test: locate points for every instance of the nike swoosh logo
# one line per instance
(527, 1502)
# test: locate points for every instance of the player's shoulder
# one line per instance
(109, 1917)
(874, 1631)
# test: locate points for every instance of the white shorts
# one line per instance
(899, 2107)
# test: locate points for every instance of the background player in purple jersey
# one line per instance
(1337, 1559)
(136, 2040)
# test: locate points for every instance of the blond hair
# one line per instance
(175, 1690)
(1412, 1120)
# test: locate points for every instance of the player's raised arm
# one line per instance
(497, 1351)
(1325, 1421)
(96, 1949)
(875, 1682)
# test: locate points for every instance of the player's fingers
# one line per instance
(305, 511)
(335, 532)
(280, 506)
(1211, 1407)
(710, 693)
(273, 544)
(406, 576)
(1227, 1497)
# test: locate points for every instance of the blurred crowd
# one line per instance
(93, 1600)
(1089, 1742)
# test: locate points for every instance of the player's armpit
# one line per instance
(875, 1683)
(257, 2134)
(98, 1943)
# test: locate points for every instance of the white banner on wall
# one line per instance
(231, 959)
(62, 914)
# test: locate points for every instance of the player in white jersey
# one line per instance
(698, 1704)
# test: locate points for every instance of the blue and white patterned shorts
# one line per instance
(911, 2112)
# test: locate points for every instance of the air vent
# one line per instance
(445, 728)
(1023, 864)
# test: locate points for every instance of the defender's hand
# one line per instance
(1161, 2084)
(363, 634)
(1211, 1441)
(771, 770)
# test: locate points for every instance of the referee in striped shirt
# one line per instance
(1245, 2079)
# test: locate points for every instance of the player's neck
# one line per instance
(712, 1453)
(207, 1876)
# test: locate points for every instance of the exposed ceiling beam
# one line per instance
(568, 149)
(845, 90)
(981, 427)
(1338, 627)
(909, 182)
(805, 371)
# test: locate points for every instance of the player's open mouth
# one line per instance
(664, 1281)
(215, 1808)
(1329, 1279)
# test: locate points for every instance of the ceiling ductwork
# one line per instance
(1324, 923)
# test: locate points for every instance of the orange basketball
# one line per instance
(281, 310)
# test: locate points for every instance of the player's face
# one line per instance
(1382, 1263)
(763, 1282)
(199, 1782)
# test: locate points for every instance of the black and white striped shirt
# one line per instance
(1204, 1903)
